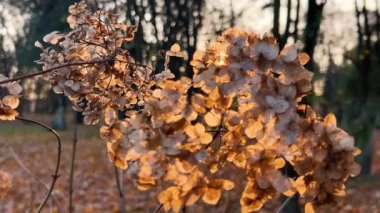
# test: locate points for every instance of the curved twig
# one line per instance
(23, 167)
(55, 175)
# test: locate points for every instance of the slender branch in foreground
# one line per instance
(283, 204)
(121, 194)
(75, 140)
(55, 175)
(50, 70)
(23, 167)
(158, 208)
(69, 65)
(222, 130)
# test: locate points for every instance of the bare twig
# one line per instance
(55, 175)
(31, 196)
(92, 43)
(283, 204)
(158, 208)
(108, 59)
(50, 70)
(23, 167)
(75, 140)
(217, 130)
(121, 194)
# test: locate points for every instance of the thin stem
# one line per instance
(121, 195)
(92, 43)
(218, 131)
(158, 208)
(222, 130)
(283, 204)
(23, 167)
(75, 140)
(55, 175)
(68, 65)
(31, 196)
(50, 70)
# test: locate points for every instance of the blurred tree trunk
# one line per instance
(282, 37)
(358, 26)
(233, 15)
(377, 30)
(313, 21)
(296, 21)
(368, 151)
(367, 53)
(153, 11)
(364, 61)
(330, 91)
(276, 18)
(134, 7)
(365, 67)
(175, 21)
(59, 118)
(7, 60)
(185, 20)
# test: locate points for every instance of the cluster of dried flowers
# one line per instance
(102, 74)
(190, 139)
(9, 99)
(239, 113)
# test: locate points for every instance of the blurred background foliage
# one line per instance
(342, 37)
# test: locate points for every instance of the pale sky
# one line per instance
(14, 23)
(339, 24)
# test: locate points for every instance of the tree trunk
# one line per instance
(295, 31)
(284, 37)
(276, 18)
(313, 22)
(59, 119)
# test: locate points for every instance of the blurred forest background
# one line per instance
(341, 36)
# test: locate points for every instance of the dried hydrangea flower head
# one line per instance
(235, 122)
(324, 158)
(248, 96)
(102, 74)
(9, 99)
